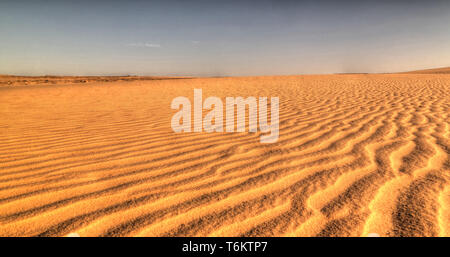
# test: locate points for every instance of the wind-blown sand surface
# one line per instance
(357, 154)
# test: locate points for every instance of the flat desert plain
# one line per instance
(357, 154)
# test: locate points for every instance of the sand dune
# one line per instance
(445, 70)
(357, 154)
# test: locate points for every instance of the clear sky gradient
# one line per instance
(222, 38)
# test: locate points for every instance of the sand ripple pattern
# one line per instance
(357, 154)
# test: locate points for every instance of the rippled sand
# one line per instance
(357, 154)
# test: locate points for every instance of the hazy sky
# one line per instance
(219, 38)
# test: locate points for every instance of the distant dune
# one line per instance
(445, 70)
(356, 155)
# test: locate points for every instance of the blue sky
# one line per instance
(222, 38)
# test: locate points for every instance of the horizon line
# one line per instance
(223, 76)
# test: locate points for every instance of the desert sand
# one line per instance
(357, 154)
(444, 70)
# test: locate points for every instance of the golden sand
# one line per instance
(357, 155)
